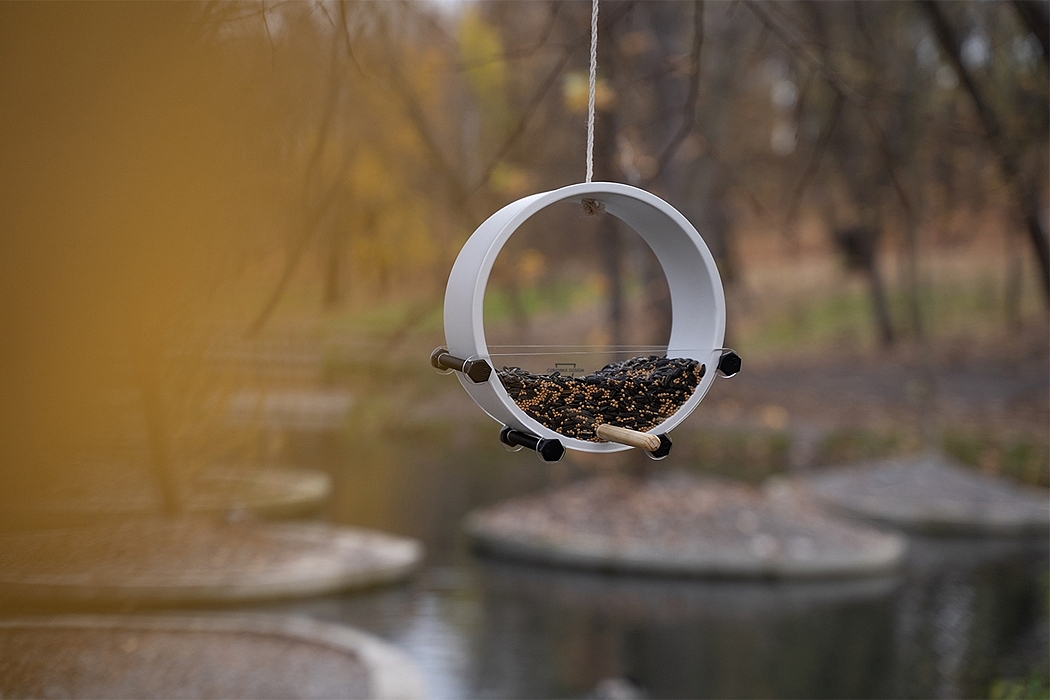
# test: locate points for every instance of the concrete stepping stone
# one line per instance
(187, 560)
(228, 656)
(681, 524)
(115, 492)
(933, 494)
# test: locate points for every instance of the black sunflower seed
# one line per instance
(639, 393)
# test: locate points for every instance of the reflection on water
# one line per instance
(484, 628)
(959, 615)
(678, 638)
(968, 608)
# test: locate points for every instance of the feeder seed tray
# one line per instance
(539, 416)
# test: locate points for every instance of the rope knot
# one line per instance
(592, 206)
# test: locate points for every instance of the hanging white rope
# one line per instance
(592, 81)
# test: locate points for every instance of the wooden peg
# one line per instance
(626, 436)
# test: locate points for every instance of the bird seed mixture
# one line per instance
(639, 394)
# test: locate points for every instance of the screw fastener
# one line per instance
(548, 450)
(729, 363)
(478, 371)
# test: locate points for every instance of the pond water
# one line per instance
(961, 613)
(957, 617)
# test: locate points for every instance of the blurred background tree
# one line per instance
(175, 171)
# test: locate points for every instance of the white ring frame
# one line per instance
(698, 308)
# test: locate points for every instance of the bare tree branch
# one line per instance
(306, 235)
(324, 10)
(822, 64)
(732, 178)
(812, 166)
(539, 95)
(428, 19)
(842, 90)
(542, 42)
(269, 36)
(317, 213)
(537, 98)
(1006, 153)
(415, 113)
(806, 56)
(218, 10)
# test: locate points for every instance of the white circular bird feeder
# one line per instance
(697, 306)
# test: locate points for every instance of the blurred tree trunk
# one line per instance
(706, 179)
(859, 245)
(1014, 284)
(675, 100)
(880, 306)
(1007, 155)
(316, 207)
(860, 172)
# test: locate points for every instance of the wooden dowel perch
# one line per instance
(626, 436)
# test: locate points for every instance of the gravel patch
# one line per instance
(932, 494)
(197, 657)
(182, 560)
(681, 524)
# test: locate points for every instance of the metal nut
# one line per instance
(729, 363)
(478, 371)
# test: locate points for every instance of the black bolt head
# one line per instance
(729, 363)
(550, 450)
(478, 371)
(663, 450)
(438, 352)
